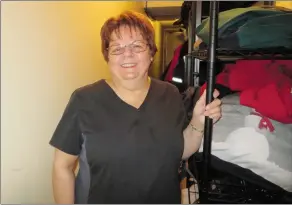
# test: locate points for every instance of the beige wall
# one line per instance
(156, 68)
(48, 50)
(285, 4)
(176, 3)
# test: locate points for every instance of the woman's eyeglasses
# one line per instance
(136, 47)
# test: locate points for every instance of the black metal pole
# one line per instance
(197, 21)
(209, 97)
(191, 40)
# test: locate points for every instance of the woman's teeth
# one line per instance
(128, 65)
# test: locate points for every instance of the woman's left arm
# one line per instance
(193, 134)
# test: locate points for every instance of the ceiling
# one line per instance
(163, 10)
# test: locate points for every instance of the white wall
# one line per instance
(48, 50)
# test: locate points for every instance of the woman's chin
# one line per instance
(130, 76)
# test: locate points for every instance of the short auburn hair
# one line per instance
(132, 20)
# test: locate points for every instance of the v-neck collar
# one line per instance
(115, 95)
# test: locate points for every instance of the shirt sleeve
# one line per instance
(67, 135)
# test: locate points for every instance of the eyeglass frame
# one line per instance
(129, 45)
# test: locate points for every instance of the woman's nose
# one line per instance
(128, 51)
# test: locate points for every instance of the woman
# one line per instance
(127, 132)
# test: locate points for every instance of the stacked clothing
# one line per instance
(249, 28)
(264, 85)
(252, 141)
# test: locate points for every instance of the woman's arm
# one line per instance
(193, 134)
(64, 177)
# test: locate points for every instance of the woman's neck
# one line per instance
(131, 86)
(133, 94)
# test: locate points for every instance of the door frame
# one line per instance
(166, 29)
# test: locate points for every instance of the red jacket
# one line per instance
(173, 64)
(264, 85)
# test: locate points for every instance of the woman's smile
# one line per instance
(129, 65)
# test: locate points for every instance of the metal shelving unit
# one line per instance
(234, 55)
(236, 190)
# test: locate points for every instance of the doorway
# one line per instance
(171, 38)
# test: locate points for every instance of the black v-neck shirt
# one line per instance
(126, 155)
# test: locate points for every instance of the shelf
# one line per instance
(233, 55)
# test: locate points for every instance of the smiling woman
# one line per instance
(128, 132)
(135, 32)
(129, 56)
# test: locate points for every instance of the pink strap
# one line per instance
(264, 122)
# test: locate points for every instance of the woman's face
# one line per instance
(129, 54)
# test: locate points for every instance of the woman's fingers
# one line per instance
(213, 111)
(216, 93)
(202, 99)
(215, 103)
(215, 116)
